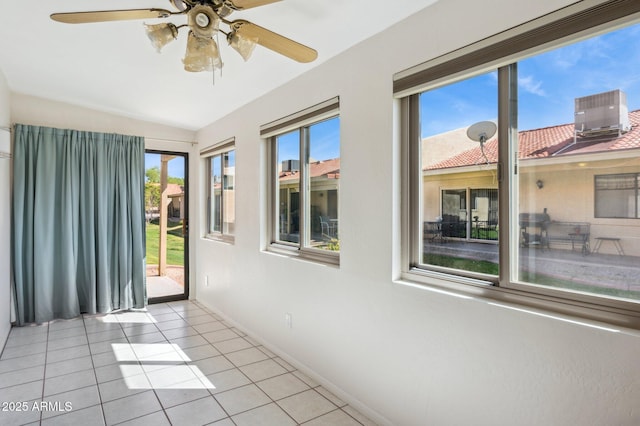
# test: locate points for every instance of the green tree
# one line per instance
(177, 180)
(151, 196)
(153, 174)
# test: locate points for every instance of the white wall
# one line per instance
(36, 111)
(41, 112)
(5, 213)
(405, 355)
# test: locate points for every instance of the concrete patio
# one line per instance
(169, 285)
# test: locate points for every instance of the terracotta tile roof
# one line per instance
(329, 169)
(174, 189)
(552, 141)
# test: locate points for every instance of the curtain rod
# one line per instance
(169, 140)
(8, 129)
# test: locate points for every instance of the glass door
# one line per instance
(166, 213)
(454, 213)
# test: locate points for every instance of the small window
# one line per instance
(305, 184)
(220, 166)
(617, 196)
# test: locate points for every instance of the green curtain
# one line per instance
(78, 233)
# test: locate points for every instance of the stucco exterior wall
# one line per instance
(568, 193)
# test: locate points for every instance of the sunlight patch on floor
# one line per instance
(158, 366)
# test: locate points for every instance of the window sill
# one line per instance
(314, 256)
(566, 309)
(227, 239)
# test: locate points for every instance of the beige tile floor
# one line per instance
(173, 364)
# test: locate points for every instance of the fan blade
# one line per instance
(248, 4)
(276, 42)
(109, 15)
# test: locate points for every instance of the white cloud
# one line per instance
(528, 84)
(461, 105)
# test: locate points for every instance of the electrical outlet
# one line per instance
(287, 320)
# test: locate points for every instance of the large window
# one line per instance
(220, 165)
(305, 183)
(523, 171)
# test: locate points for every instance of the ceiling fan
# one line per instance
(203, 21)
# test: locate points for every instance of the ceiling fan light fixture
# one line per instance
(203, 21)
(202, 54)
(242, 44)
(224, 10)
(179, 4)
(161, 34)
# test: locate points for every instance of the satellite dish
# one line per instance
(482, 131)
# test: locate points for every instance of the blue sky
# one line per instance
(548, 83)
(288, 146)
(325, 142)
(176, 166)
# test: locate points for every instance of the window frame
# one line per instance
(207, 155)
(501, 52)
(300, 121)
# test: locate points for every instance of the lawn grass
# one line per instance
(485, 267)
(481, 266)
(175, 243)
(484, 234)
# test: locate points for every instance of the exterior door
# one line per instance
(454, 213)
(167, 237)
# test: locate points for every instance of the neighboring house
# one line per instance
(175, 204)
(175, 207)
(225, 200)
(587, 171)
(440, 147)
(324, 177)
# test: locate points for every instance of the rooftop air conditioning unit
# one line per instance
(602, 113)
(290, 165)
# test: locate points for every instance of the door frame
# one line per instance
(185, 294)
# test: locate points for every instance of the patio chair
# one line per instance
(325, 226)
(433, 231)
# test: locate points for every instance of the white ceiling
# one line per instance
(112, 66)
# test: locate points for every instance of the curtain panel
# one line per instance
(78, 235)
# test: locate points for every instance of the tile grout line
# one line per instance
(200, 380)
(44, 370)
(139, 362)
(182, 362)
(5, 342)
(338, 408)
(272, 401)
(82, 387)
(240, 334)
(104, 417)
